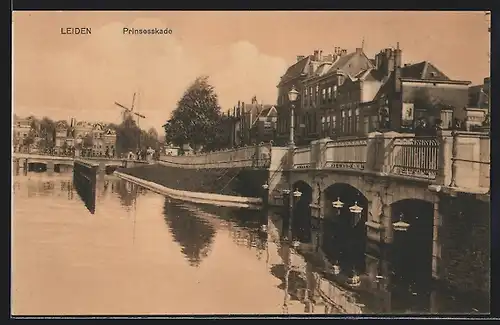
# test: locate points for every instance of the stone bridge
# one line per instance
(52, 161)
(424, 188)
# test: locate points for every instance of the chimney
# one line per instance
(398, 59)
(320, 55)
(316, 55)
(359, 50)
(300, 57)
(234, 111)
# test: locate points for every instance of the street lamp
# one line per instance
(338, 205)
(401, 225)
(293, 94)
(297, 193)
(265, 186)
(356, 211)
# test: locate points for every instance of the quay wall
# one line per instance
(245, 182)
(465, 244)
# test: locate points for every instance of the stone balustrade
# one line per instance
(258, 156)
(454, 159)
(458, 159)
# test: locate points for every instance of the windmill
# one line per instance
(130, 112)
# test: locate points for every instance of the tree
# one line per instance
(194, 121)
(127, 136)
(47, 132)
(88, 141)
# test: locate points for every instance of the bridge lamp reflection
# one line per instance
(338, 205)
(336, 268)
(401, 225)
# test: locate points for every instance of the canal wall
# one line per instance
(465, 244)
(196, 197)
(85, 181)
(238, 181)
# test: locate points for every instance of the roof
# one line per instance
(352, 63)
(323, 68)
(423, 71)
(295, 70)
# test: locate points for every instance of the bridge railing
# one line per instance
(414, 157)
(346, 154)
(258, 156)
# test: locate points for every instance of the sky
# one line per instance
(244, 53)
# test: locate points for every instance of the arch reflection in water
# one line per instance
(344, 232)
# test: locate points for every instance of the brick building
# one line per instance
(251, 123)
(347, 94)
(412, 92)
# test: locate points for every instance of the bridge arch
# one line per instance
(301, 221)
(62, 166)
(37, 166)
(344, 233)
(411, 251)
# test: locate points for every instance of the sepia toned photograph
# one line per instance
(250, 163)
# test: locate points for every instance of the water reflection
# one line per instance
(72, 248)
(192, 233)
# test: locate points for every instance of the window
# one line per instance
(366, 124)
(323, 95)
(329, 95)
(323, 123)
(373, 122)
(317, 93)
(343, 121)
(447, 119)
(334, 122)
(349, 121)
(357, 121)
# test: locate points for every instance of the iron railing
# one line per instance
(347, 154)
(414, 156)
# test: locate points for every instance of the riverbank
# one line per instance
(244, 182)
(196, 197)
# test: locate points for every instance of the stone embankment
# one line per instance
(227, 181)
(231, 187)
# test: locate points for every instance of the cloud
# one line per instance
(85, 80)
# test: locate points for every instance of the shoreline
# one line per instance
(195, 197)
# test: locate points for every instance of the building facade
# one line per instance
(347, 94)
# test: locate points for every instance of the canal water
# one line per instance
(141, 253)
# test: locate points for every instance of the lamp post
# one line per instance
(293, 94)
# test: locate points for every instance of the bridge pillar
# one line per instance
(102, 167)
(50, 166)
(16, 165)
(386, 221)
(317, 216)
